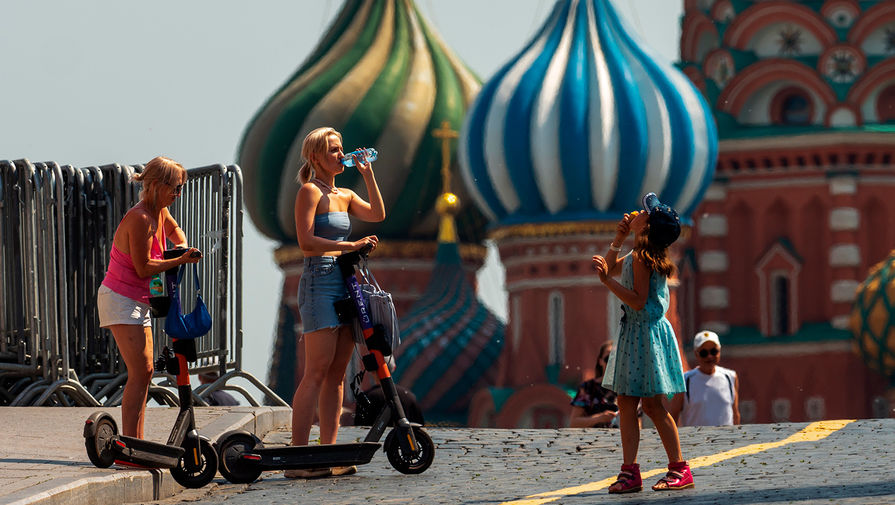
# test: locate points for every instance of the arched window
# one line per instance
(778, 279)
(556, 320)
(792, 106)
(796, 110)
(885, 105)
(780, 305)
(517, 321)
(686, 292)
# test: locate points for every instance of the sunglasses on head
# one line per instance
(705, 352)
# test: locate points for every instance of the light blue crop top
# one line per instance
(332, 225)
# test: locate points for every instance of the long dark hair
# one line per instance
(655, 258)
(598, 368)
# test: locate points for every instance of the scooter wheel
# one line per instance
(208, 467)
(98, 445)
(231, 467)
(410, 462)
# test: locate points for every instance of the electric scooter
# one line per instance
(409, 448)
(190, 457)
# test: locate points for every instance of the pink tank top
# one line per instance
(122, 278)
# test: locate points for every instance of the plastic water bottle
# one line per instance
(156, 287)
(369, 152)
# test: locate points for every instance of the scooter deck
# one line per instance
(310, 456)
(146, 453)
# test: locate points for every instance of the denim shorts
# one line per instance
(320, 286)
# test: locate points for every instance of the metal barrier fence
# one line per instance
(56, 227)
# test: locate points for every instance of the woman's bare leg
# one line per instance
(332, 390)
(135, 344)
(320, 350)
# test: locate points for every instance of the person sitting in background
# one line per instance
(593, 405)
(365, 415)
(712, 397)
(371, 401)
(219, 397)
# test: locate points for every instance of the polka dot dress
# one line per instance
(645, 361)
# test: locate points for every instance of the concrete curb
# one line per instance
(140, 485)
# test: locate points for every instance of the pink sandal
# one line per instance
(628, 480)
(678, 477)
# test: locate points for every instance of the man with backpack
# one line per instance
(712, 396)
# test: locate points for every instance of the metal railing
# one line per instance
(56, 226)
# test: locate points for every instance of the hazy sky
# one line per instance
(116, 81)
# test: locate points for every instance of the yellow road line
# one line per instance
(811, 433)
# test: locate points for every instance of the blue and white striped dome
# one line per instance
(582, 122)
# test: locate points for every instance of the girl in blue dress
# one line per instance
(645, 362)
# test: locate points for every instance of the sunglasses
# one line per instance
(177, 189)
(705, 352)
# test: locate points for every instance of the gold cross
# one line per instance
(445, 134)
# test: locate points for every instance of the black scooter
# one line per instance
(409, 448)
(190, 456)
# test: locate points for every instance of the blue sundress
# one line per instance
(645, 361)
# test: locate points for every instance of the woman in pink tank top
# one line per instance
(136, 256)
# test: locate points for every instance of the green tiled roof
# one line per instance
(809, 332)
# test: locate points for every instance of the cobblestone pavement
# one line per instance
(848, 463)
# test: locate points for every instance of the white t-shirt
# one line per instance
(709, 398)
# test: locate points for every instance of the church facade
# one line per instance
(802, 201)
(799, 207)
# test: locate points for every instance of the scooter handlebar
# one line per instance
(346, 261)
(179, 251)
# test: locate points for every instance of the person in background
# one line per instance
(371, 401)
(322, 226)
(594, 406)
(218, 397)
(712, 396)
(364, 415)
(122, 300)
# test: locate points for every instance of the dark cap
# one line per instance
(664, 223)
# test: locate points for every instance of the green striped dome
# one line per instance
(384, 79)
(873, 318)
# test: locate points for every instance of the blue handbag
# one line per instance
(196, 323)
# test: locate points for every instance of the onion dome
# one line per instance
(384, 79)
(451, 341)
(583, 122)
(873, 318)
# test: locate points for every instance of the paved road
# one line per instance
(43, 460)
(842, 463)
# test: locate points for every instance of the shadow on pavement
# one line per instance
(44, 461)
(750, 495)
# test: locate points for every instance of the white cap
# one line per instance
(706, 336)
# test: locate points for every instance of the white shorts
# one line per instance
(119, 309)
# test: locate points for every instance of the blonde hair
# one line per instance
(159, 170)
(317, 142)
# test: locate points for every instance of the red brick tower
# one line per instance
(802, 201)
